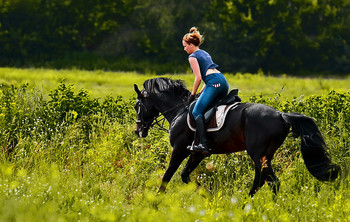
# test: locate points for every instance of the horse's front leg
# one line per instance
(177, 156)
(192, 163)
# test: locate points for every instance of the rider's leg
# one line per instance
(202, 134)
(216, 88)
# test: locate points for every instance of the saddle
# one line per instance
(215, 116)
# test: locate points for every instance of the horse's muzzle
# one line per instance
(141, 132)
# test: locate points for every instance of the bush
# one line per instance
(26, 114)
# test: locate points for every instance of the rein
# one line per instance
(159, 122)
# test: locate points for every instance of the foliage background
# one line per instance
(277, 36)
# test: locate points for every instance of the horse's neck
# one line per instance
(170, 111)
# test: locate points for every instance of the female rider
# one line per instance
(215, 84)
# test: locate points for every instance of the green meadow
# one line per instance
(68, 152)
(102, 83)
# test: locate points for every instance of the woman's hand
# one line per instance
(191, 98)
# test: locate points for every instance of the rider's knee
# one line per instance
(196, 114)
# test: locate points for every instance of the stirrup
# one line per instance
(200, 148)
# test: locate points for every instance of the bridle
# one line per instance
(148, 124)
(160, 122)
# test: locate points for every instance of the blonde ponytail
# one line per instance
(193, 30)
(194, 37)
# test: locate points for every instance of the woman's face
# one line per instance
(189, 48)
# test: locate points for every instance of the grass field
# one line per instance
(80, 160)
(100, 83)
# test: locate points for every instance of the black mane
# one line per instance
(165, 85)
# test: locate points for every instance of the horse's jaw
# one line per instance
(141, 133)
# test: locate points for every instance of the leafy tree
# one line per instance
(49, 28)
(276, 35)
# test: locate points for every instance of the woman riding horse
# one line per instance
(215, 88)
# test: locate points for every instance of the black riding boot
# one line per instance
(202, 147)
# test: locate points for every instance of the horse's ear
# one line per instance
(137, 91)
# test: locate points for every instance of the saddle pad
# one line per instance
(217, 121)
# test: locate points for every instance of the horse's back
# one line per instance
(257, 111)
(246, 113)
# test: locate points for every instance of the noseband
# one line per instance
(148, 124)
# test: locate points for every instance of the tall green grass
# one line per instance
(101, 83)
(75, 158)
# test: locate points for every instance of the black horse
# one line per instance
(257, 128)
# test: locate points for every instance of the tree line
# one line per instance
(276, 36)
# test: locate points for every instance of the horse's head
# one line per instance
(146, 112)
(160, 95)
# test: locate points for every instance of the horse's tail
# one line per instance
(313, 147)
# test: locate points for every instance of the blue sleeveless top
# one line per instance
(205, 62)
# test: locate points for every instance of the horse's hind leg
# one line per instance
(258, 182)
(264, 173)
(269, 176)
(265, 131)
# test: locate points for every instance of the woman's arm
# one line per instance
(202, 89)
(197, 74)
